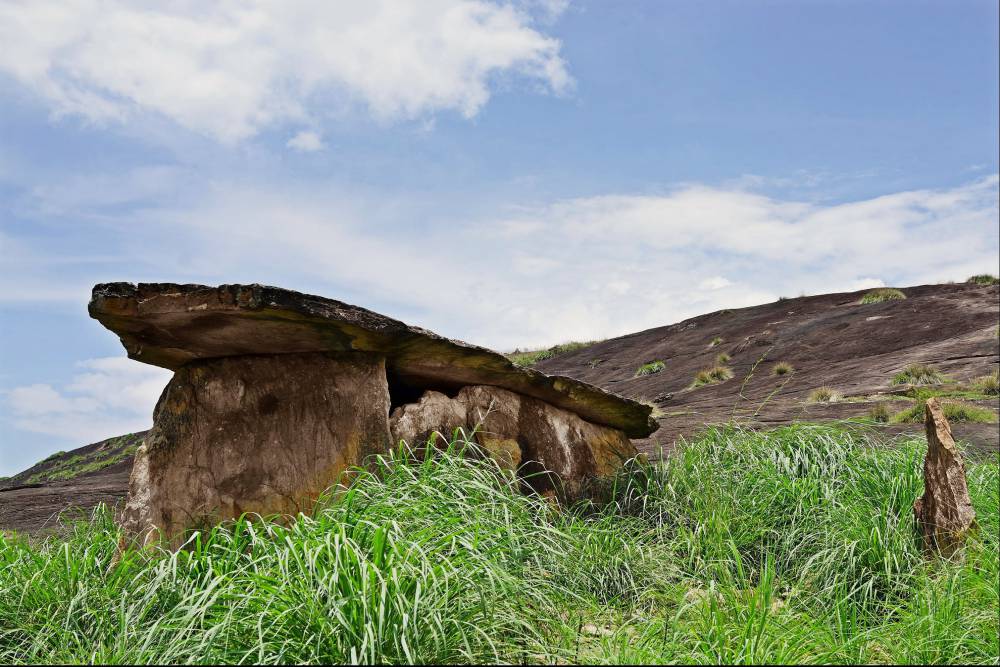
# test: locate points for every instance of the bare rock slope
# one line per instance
(832, 340)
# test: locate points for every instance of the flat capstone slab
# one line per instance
(169, 325)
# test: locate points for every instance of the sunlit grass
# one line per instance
(823, 395)
(988, 384)
(789, 546)
(532, 357)
(954, 411)
(881, 295)
(650, 368)
(713, 375)
(918, 374)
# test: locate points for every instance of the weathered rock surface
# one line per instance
(553, 449)
(169, 325)
(944, 513)
(264, 434)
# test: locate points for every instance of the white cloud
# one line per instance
(597, 266)
(579, 268)
(229, 69)
(715, 282)
(307, 142)
(107, 397)
(865, 283)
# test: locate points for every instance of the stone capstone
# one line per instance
(262, 434)
(170, 325)
(944, 513)
(553, 450)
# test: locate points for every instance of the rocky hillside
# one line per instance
(765, 365)
(84, 477)
(855, 350)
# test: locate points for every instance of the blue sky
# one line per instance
(514, 174)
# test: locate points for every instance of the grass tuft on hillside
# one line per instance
(60, 469)
(789, 546)
(988, 384)
(823, 395)
(882, 294)
(650, 368)
(782, 368)
(529, 358)
(713, 375)
(983, 279)
(954, 411)
(918, 374)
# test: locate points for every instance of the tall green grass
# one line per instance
(954, 411)
(795, 545)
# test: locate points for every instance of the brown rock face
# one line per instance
(554, 450)
(169, 325)
(944, 513)
(264, 434)
(276, 393)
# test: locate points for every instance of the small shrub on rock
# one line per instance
(722, 359)
(528, 358)
(918, 374)
(988, 384)
(782, 368)
(824, 395)
(882, 294)
(650, 368)
(879, 413)
(983, 279)
(713, 375)
(954, 411)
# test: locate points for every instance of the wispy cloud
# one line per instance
(106, 397)
(306, 142)
(231, 69)
(577, 268)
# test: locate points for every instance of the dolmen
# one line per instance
(276, 393)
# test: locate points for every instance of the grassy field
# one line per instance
(791, 546)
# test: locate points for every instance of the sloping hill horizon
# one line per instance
(761, 365)
(826, 341)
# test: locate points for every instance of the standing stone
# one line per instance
(555, 451)
(276, 393)
(262, 434)
(944, 513)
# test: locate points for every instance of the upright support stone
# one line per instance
(555, 450)
(262, 434)
(944, 513)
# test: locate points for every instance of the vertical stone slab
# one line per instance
(264, 434)
(555, 451)
(944, 513)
